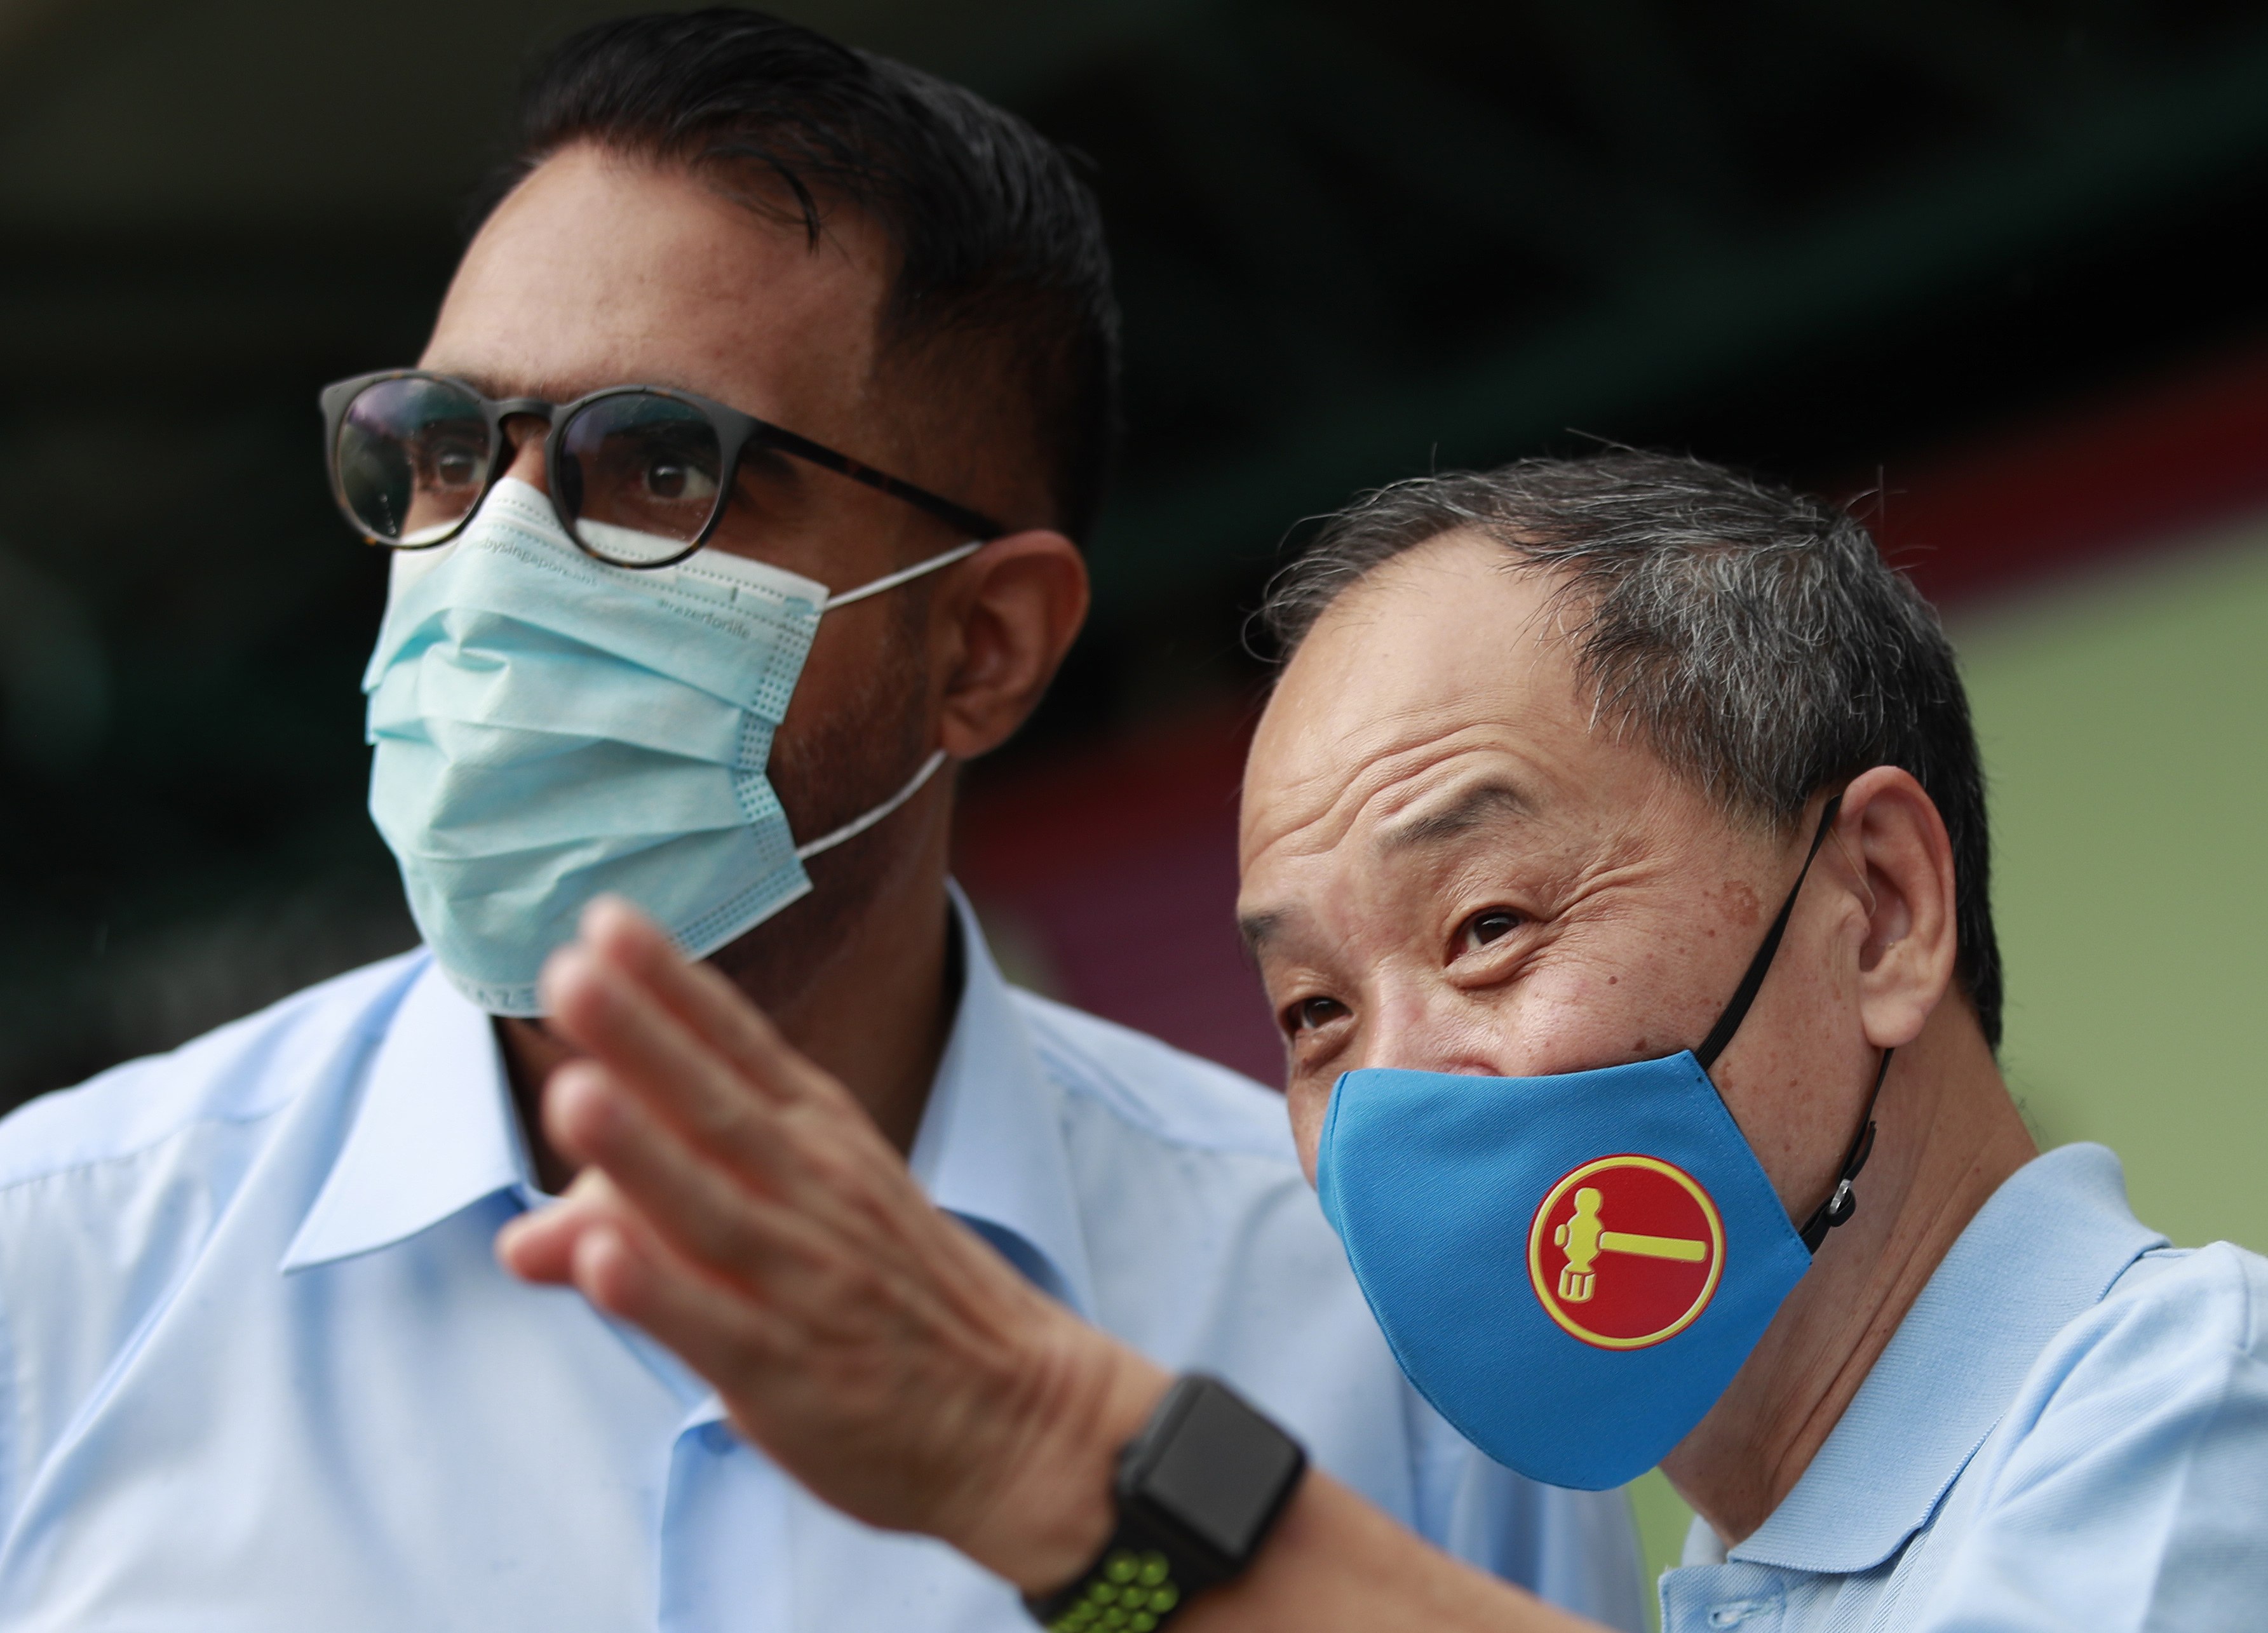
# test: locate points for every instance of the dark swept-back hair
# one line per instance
(1001, 264)
(1753, 637)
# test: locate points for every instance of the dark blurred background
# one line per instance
(1840, 239)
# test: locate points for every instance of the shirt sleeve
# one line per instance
(2128, 1488)
(89, 1250)
(1578, 1550)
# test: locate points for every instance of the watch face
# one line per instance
(1222, 1471)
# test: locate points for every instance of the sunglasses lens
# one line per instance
(412, 459)
(640, 475)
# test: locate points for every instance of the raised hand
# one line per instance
(739, 1205)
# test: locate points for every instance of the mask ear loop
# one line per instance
(1737, 1011)
(904, 575)
(860, 825)
(1843, 1201)
(888, 581)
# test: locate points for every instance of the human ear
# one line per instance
(1890, 829)
(1013, 612)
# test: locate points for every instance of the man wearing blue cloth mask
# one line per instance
(733, 499)
(1614, 857)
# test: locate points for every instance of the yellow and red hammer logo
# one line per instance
(1625, 1251)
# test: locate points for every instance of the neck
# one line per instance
(861, 975)
(1948, 1136)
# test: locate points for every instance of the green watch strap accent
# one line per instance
(1127, 1590)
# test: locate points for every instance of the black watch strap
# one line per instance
(1197, 1491)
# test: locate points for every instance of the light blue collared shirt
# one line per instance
(2068, 1430)
(259, 1369)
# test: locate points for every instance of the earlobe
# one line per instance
(1016, 614)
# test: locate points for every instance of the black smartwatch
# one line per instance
(1198, 1491)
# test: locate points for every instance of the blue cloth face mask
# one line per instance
(546, 727)
(1571, 1268)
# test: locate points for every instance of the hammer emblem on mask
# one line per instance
(1584, 1238)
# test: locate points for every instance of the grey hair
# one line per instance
(1752, 636)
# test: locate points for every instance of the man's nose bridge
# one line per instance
(1396, 1018)
(1416, 1027)
(523, 450)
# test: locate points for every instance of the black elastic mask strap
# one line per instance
(1843, 1201)
(1737, 1011)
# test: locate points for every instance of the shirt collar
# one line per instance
(2046, 1246)
(435, 1132)
(991, 1147)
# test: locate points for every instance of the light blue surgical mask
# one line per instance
(546, 727)
(1571, 1268)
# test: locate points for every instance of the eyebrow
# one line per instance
(556, 392)
(1477, 806)
(1257, 929)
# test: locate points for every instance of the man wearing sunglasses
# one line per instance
(733, 499)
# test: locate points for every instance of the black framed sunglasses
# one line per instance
(639, 474)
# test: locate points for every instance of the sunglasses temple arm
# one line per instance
(972, 522)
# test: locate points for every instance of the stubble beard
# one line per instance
(825, 775)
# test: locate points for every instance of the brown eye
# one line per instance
(1493, 925)
(1310, 1013)
(447, 463)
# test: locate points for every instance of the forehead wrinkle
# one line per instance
(1494, 802)
(1378, 788)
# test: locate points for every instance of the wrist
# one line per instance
(1049, 1506)
(1197, 1493)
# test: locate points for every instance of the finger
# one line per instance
(669, 1184)
(721, 1334)
(701, 998)
(539, 1246)
(542, 1256)
(599, 1010)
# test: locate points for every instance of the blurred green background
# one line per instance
(2126, 730)
(1849, 241)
